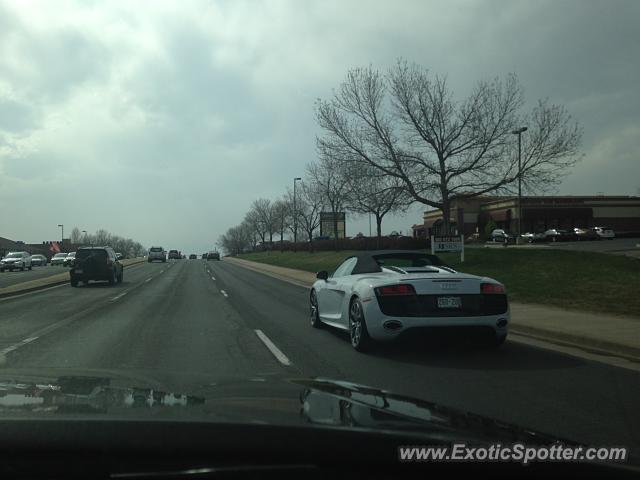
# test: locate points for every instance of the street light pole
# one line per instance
(85, 235)
(62, 235)
(519, 132)
(295, 216)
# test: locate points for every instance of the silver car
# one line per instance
(58, 259)
(16, 261)
(38, 260)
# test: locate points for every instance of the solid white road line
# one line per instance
(281, 357)
(33, 292)
(15, 346)
(224, 293)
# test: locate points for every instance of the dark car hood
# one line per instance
(260, 400)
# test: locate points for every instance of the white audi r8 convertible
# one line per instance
(381, 295)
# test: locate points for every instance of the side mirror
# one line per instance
(322, 275)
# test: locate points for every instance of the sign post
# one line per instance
(451, 243)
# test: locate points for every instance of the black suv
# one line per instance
(96, 263)
(213, 256)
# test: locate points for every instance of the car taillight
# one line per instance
(401, 289)
(492, 288)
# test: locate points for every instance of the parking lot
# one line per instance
(617, 246)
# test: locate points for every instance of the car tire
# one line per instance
(148, 261)
(113, 278)
(22, 268)
(358, 334)
(30, 267)
(314, 312)
(74, 283)
(121, 277)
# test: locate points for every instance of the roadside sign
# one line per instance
(451, 243)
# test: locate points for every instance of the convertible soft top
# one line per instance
(369, 261)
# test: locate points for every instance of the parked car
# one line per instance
(174, 254)
(96, 263)
(585, 233)
(604, 233)
(500, 235)
(38, 260)
(16, 261)
(213, 256)
(156, 254)
(69, 259)
(58, 259)
(376, 296)
(558, 235)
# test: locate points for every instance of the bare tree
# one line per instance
(406, 125)
(326, 179)
(373, 192)
(252, 221)
(282, 216)
(309, 203)
(76, 236)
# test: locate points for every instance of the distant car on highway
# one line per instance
(69, 259)
(193, 256)
(16, 261)
(174, 254)
(58, 259)
(213, 256)
(96, 263)
(604, 233)
(156, 254)
(376, 296)
(38, 260)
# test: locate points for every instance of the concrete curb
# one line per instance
(602, 347)
(44, 283)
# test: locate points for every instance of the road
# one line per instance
(8, 278)
(202, 317)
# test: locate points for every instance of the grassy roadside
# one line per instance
(577, 280)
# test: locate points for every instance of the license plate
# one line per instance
(449, 302)
(78, 270)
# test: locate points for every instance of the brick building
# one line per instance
(539, 213)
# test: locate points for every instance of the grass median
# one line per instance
(577, 280)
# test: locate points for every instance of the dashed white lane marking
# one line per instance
(224, 293)
(148, 280)
(281, 357)
(117, 297)
(15, 346)
(213, 278)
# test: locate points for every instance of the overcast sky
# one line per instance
(163, 121)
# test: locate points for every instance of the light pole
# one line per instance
(62, 234)
(519, 132)
(295, 216)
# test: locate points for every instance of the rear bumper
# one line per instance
(383, 327)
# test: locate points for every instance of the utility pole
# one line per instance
(295, 214)
(519, 132)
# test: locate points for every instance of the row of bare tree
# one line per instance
(390, 139)
(126, 246)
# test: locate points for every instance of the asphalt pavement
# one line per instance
(221, 320)
(8, 278)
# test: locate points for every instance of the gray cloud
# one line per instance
(164, 122)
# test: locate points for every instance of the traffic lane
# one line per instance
(24, 315)
(8, 278)
(178, 323)
(533, 387)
